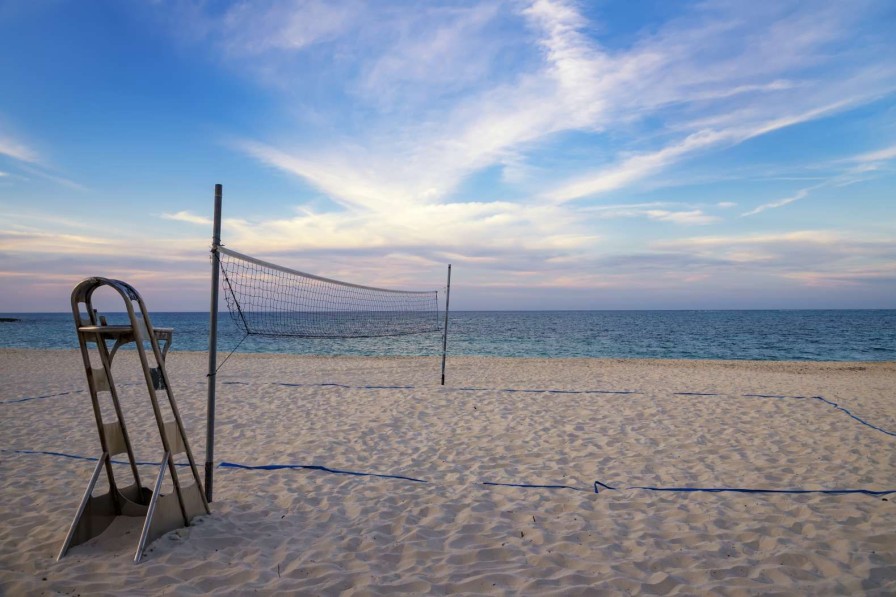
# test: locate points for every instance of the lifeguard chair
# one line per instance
(162, 513)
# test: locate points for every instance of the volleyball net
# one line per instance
(266, 299)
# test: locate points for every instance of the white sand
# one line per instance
(313, 532)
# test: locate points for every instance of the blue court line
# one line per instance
(862, 421)
(40, 397)
(265, 467)
(512, 390)
(387, 387)
(90, 458)
(770, 396)
(339, 385)
(29, 398)
(531, 486)
(371, 387)
(313, 467)
(597, 484)
(307, 385)
(820, 398)
(828, 402)
(874, 492)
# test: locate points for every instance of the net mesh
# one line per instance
(269, 300)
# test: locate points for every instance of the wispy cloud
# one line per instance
(866, 165)
(880, 155)
(419, 151)
(800, 194)
(284, 25)
(515, 137)
(658, 211)
(17, 150)
(186, 216)
(694, 216)
(28, 160)
(636, 168)
(47, 174)
(431, 98)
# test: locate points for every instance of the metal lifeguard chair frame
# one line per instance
(163, 513)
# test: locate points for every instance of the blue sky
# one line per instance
(561, 155)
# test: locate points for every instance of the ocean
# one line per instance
(779, 335)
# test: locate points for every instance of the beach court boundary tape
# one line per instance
(508, 390)
(29, 398)
(597, 486)
(557, 391)
(862, 421)
(314, 467)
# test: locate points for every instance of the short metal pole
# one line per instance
(213, 349)
(445, 334)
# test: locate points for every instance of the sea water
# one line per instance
(814, 335)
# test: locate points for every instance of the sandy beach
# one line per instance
(483, 486)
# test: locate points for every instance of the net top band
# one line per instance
(287, 270)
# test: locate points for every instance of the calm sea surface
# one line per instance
(836, 335)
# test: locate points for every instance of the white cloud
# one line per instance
(44, 173)
(716, 63)
(484, 227)
(711, 243)
(186, 216)
(410, 104)
(250, 30)
(636, 167)
(800, 194)
(17, 150)
(651, 211)
(881, 155)
(431, 51)
(868, 164)
(31, 162)
(694, 216)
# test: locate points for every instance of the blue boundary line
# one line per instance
(532, 486)
(78, 457)
(548, 391)
(872, 492)
(81, 391)
(597, 484)
(514, 390)
(862, 421)
(314, 467)
(769, 396)
(232, 465)
(463, 389)
(28, 398)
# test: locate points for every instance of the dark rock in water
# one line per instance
(8, 319)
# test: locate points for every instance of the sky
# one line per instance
(605, 154)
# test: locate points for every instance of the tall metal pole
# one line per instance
(213, 349)
(445, 335)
